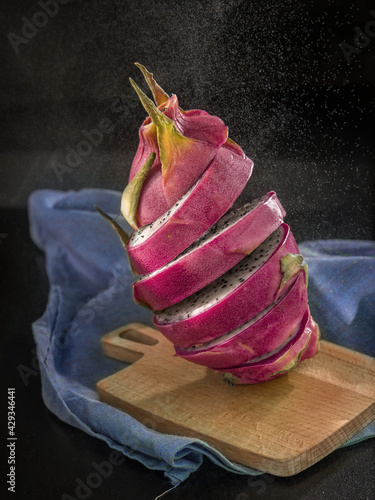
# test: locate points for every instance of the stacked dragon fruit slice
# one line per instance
(228, 287)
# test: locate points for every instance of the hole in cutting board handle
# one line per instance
(137, 336)
(129, 342)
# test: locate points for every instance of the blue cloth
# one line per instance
(342, 291)
(91, 294)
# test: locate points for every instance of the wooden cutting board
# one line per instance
(282, 426)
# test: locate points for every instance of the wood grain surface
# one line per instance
(281, 427)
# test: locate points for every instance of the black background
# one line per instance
(275, 73)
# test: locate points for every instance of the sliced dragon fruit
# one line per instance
(153, 245)
(231, 294)
(262, 334)
(231, 300)
(217, 250)
(302, 344)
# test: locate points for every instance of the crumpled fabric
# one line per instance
(91, 294)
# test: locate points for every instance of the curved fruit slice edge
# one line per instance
(232, 299)
(220, 248)
(156, 244)
(262, 334)
(303, 344)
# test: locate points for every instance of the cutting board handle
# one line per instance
(130, 342)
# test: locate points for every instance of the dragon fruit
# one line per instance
(229, 301)
(261, 334)
(229, 290)
(157, 243)
(217, 250)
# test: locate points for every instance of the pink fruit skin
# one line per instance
(244, 302)
(203, 265)
(263, 336)
(211, 197)
(314, 342)
(305, 345)
(157, 196)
